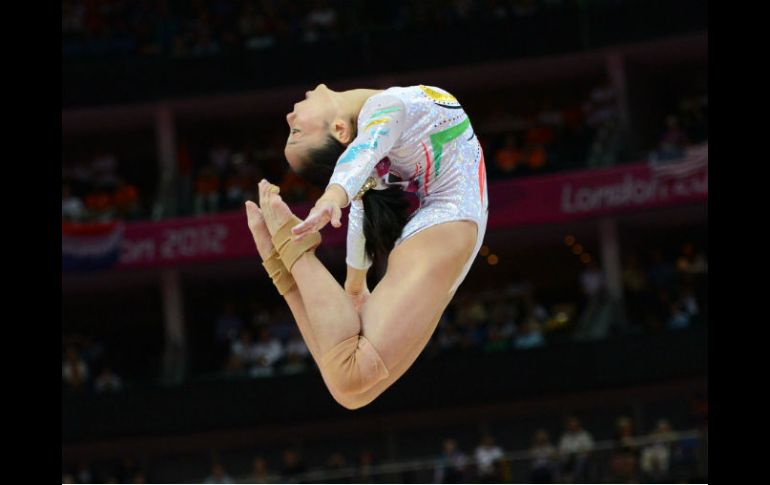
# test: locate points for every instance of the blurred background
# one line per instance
(575, 350)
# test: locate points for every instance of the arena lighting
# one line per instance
(577, 249)
(569, 240)
(585, 257)
(484, 251)
(492, 259)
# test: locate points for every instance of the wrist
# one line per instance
(354, 290)
(335, 194)
(355, 281)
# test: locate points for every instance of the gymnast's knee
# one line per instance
(352, 401)
(352, 367)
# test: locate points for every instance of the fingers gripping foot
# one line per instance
(274, 209)
(272, 263)
(280, 220)
(259, 230)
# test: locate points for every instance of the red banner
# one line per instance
(533, 200)
(197, 239)
(591, 193)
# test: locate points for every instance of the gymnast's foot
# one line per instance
(259, 230)
(275, 212)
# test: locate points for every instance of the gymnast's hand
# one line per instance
(326, 209)
(358, 298)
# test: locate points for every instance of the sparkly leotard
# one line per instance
(419, 138)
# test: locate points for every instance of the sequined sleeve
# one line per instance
(356, 244)
(380, 125)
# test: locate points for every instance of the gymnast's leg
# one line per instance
(293, 298)
(356, 352)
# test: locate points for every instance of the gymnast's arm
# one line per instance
(381, 125)
(357, 260)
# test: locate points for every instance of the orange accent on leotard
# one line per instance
(427, 167)
(482, 175)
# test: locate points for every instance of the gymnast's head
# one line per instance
(319, 131)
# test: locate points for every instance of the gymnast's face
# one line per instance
(310, 124)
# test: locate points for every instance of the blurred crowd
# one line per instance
(222, 175)
(208, 28)
(624, 454)
(94, 190)
(663, 290)
(86, 367)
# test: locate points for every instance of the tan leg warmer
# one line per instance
(281, 276)
(290, 251)
(353, 366)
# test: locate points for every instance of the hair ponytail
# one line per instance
(386, 211)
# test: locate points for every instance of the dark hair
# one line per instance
(386, 212)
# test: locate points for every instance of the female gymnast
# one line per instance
(366, 147)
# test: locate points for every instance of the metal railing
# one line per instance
(421, 470)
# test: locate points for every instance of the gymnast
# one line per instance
(366, 147)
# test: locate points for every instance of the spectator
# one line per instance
(228, 326)
(508, 157)
(592, 281)
(690, 262)
(296, 354)
(623, 463)
(337, 463)
(242, 353)
(320, 22)
(292, 466)
(365, 464)
(74, 370)
(452, 464)
(674, 141)
(218, 475)
(661, 273)
(655, 457)
(544, 458)
(72, 208)
(680, 317)
(101, 206)
(234, 194)
(260, 473)
(488, 458)
(602, 106)
(267, 351)
(107, 381)
(528, 336)
(688, 301)
(450, 337)
(536, 157)
(575, 447)
(219, 158)
(126, 200)
(206, 198)
(497, 337)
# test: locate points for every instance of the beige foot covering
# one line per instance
(353, 366)
(282, 278)
(290, 251)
